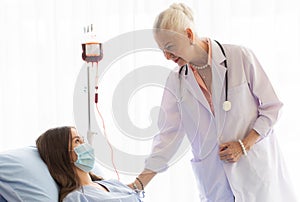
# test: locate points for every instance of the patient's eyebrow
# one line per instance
(77, 136)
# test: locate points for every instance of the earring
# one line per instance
(192, 42)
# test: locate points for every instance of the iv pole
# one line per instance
(90, 133)
(91, 52)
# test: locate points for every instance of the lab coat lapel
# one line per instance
(193, 87)
(218, 81)
(218, 84)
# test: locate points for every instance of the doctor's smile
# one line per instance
(176, 60)
(171, 56)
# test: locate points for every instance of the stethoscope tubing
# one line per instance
(226, 74)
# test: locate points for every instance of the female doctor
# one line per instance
(221, 98)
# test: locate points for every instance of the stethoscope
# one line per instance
(226, 103)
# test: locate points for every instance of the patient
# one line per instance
(70, 160)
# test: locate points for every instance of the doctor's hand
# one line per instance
(230, 152)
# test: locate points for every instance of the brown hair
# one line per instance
(53, 146)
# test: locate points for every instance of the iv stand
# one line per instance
(92, 52)
(90, 133)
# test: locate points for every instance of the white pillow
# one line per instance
(25, 177)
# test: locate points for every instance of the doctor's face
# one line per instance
(175, 46)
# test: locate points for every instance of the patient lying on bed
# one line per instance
(70, 160)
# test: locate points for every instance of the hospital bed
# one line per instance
(25, 177)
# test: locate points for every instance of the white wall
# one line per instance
(40, 58)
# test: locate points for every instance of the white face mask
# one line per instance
(85, 157)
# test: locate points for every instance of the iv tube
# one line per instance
(103, 124)
(92, 52)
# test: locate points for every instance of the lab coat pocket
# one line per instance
(211, 179)
(199, 172)
(237, 88)
(243, 110)
(241, 98)
(266, 165)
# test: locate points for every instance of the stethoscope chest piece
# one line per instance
(226, 105)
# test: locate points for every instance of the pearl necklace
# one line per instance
(199, 67)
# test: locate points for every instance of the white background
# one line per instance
(40, 58)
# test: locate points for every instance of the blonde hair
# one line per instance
(177, 18)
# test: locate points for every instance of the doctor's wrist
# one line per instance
(250, 139)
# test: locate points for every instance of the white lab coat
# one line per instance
(258, 177)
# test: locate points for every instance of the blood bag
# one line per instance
(91, 47)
